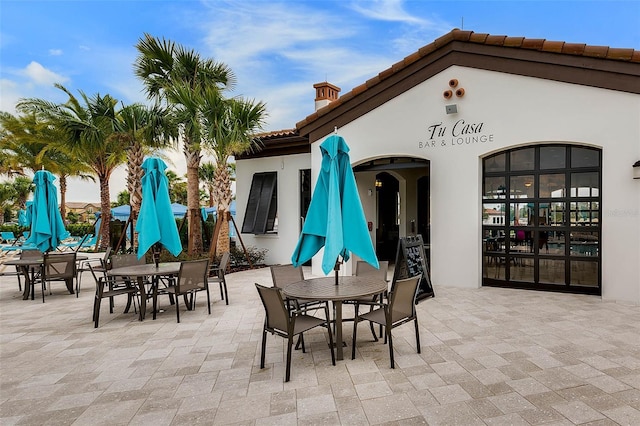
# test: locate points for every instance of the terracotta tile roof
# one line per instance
(542, 45)
(276, 134)
(278, 142)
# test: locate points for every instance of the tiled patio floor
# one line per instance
(489, 356)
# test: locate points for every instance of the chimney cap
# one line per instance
(326, 84)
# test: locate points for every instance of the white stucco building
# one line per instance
(540, 135)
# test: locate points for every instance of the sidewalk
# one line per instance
(489, 356)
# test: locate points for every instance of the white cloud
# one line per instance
(55, 52)
(10, 95)
(42, 76)
(387, 10)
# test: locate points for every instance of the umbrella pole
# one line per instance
(156, 254)
(336, 269)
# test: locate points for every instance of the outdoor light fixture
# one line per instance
(451, 109)
(378, 183)
(636, 170)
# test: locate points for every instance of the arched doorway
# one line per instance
(402, 200)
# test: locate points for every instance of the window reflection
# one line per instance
(493, 214)
(584, 213)
(494, 187)
(522, 159)
(551, 271)
(584, 273)
(495, 163)
(584, 157)
(521, 214)
(553, 157)
(585, 185)
(521, 187)
(584, 243)
(552, 186)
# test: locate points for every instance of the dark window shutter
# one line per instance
(261, 208)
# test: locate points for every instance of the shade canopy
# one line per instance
(47, 227)
(156, 223)
(335, 219)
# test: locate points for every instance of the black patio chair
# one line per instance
(288, 323)
(400, 309)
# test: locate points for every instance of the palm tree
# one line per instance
(231, 126)
(87, 129)
(34, 143)
(178, 77)
(141, 129)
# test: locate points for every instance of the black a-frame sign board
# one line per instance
(411, 261)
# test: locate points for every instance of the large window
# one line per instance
(260, 216)
(540, 218)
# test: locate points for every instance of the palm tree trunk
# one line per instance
(105, 215)
(224, 242)
(63, 197)
(193, 202)
(134, 185)
(223, 196)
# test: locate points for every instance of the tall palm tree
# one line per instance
(87, 128)
(231, 125)
(142, 130)
(178, 76)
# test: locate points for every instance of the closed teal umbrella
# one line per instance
(335, 219)
(156, 224)
(47, 227)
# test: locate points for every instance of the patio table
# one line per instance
(28, 266)
(325, 288)
(147, 270)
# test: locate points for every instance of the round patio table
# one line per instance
(146, 270)
(325, 288)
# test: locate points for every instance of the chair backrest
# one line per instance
(285, 274)
(363, 269)
(105, 260)
(277, 316)
(193, 273)
(402, 298)
(30, 254)
(59, 266)
(122, 260)
(224, 264)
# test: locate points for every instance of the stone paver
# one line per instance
(489, 356)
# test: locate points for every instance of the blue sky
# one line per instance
(277, 49)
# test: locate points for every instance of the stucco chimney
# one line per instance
(325, 94)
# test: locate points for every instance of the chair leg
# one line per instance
(333, 353)
(417, 334)
(289, 345)
(177, 308)
(221, 291)
(390, 338)
(264, 346)
(43, 289)
(96, 311)
(208, 300)
(226, 293)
